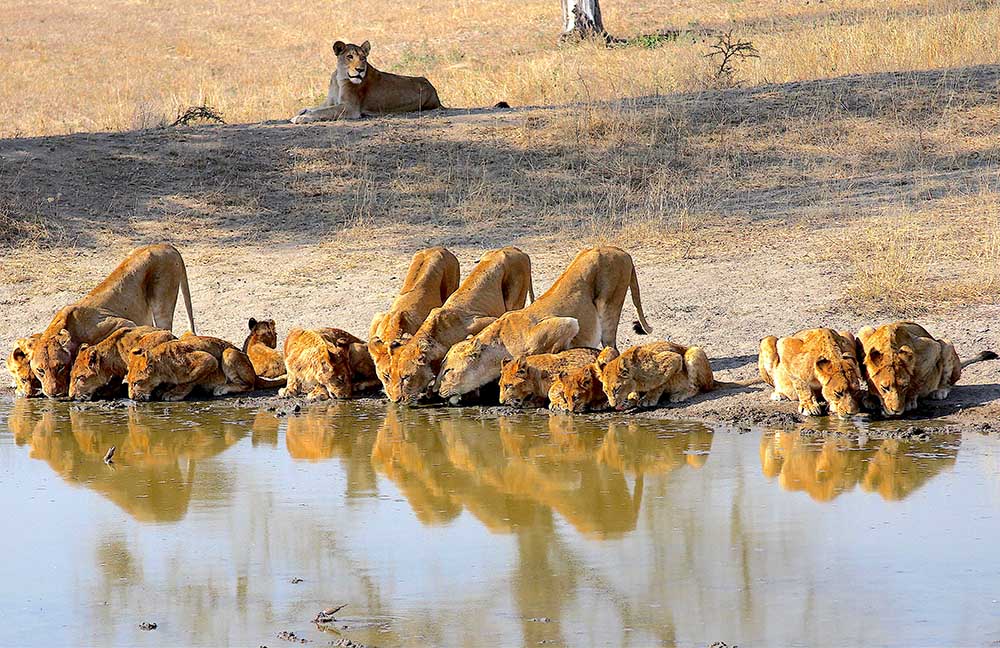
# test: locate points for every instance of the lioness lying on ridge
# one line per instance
(357, 88)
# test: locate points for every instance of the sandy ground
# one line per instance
(314, 226)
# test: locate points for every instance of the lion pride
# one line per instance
(813, 366)
(357, 88)
(327, 363)
(500, 282)
(581, 309)
(904, 363)
(432, 278)
(142, 290)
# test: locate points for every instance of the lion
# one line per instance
(327, 363)
(813, 366)
(357, 88)
(904, 363)
(581, 309)
(261, 347)
(173, 369)
(432, 278)
(647, 374)
(25, 383)
(500, 282)
(526, 380)
(105, 364)
(578, 390)
(142, 290)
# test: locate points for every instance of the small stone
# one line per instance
(147, 625)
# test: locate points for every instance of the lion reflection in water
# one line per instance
(154, 464)
(824, 469)
(508, 474)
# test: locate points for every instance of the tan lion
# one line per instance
(525, 381)
(578, 390)
(357, 88)
(813, 366)
(500, 282)
(904, 363)
(261, 347)
(327, 363)
(173, 369)
(581, 309)
(142, 290)
(105, 364)
(432, 278)
(647, 374)
(25, 383)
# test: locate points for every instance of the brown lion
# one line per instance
(142, 290)
(261, 347)
(525, 381)
(357, 88)
(647, 374)
(25, 383)
(578, 390)
(500, 282)
(100, 368)
(432, 278)
(581, 309)
(813, 366)
(904, 363)
(327, 363)
(173, 369)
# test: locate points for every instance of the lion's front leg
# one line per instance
(328, 113)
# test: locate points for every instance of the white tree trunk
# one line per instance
(582, 19)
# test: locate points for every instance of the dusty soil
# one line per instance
(314, 226)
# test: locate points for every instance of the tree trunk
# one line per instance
(582, 20)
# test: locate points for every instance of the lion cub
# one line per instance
(327, 363)
(25, 383)
(579, 390)
(106, 363)
(526, 380)
(645, 375)
(903, 363)
(813, 366)
(176, 367)
(261, 347)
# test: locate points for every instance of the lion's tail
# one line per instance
(725, 384)
(186, 292)
(640, 326)
(981, 357)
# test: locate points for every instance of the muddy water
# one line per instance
(440, 528)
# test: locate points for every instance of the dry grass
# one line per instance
(142, 64)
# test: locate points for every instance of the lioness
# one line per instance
(811, 366)
(578, 390)
(261, 347)
(501, 282)
(433, 276)
(357, 88)
(526, 380)
(25, 383)
(903, 363)
(581, 309)
(327, 363)
(644, 375)
(97, 367)
(179, 366)
(142, 290)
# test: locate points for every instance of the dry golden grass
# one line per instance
(120, 65)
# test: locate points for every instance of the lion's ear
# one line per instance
(18, 354)
(339, 47)
(504, 362)
(64, 338)
(366, 47)
(875, 356)
(605, 356)
(907, 355)
(562, 375)
(822, 364)
(138, 352)
(252, 323)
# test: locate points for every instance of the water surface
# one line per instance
(443, 527)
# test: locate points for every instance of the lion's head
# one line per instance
(516, 388)
(88, 374)
(51, 360)
(620, 386)
(840, 381)
(263, 332)
(352, 60)
(143, 376)
(575, 391)
(19, 366)
(889, 375)
(412, 376)
(470, 364)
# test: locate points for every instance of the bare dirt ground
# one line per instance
(839, 202)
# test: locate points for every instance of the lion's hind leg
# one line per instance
(698, 369)
(239, 373)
